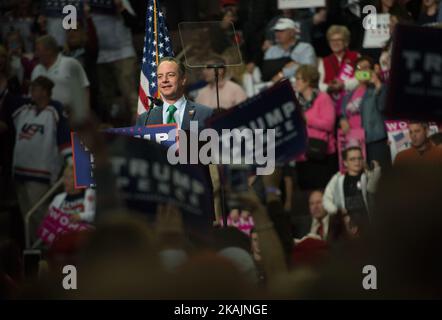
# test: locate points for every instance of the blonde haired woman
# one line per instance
(337, 70)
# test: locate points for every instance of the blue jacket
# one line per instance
(372, 108)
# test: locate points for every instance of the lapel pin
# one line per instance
(191, 112)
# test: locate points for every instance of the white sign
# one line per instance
(377, 37)
(291, 4)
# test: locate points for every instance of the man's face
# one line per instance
(234, 214)
(43, 54)
(38, 93)
(354, 161)
(418, 134)
(284, 36)
(68, 179)
(74, 38)
(209, 73)
(170, 83)
(315, 205)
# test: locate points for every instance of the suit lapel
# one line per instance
(156, 116)
(189, 114)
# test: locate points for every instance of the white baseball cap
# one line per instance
(286, 23)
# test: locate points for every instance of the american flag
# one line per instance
(157, 45)
(402, 141)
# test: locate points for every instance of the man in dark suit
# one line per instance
(171, 75)
(319, 223)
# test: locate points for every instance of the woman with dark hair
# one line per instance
(363, 108)
(429, 12)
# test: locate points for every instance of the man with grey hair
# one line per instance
(70, 80)
(288, 51)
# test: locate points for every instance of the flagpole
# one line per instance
(155, 30)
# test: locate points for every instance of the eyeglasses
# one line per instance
(336, 40)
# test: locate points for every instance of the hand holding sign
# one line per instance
(415, 90)
(57, 222)
(89, 147)
(90, 137)
(275, 110)
(145, 179)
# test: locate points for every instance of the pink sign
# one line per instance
(354, 137)
(57, 222)
(346, 72)
(243, 223)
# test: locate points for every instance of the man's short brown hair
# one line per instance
(44, 83)
(181, 66)
(423, 124)
(347, 150)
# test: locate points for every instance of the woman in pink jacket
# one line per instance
(318, 164)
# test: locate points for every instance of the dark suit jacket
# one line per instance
(301, 227)
(192, 112)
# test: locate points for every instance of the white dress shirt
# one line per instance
(179, 113)
(325, 223)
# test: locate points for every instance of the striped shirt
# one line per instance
(42, 142)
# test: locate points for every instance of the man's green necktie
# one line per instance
(170, 118)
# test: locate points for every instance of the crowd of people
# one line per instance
(318, 219)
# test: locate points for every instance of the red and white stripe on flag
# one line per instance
(156, 46)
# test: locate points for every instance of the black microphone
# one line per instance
(156, 101)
